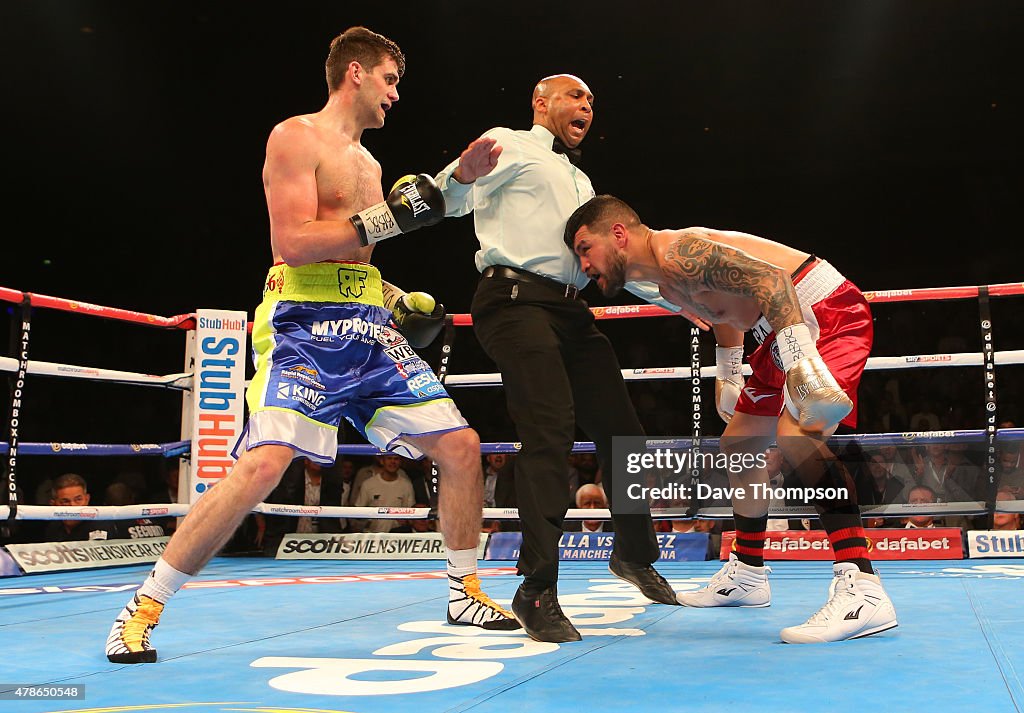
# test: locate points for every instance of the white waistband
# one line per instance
(819, 282)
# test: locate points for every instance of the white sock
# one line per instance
(163, 582)
(461, 562)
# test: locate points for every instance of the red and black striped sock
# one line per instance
(750, 539)
(840, 517)
(849, 543)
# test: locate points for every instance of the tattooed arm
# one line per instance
(696, 263)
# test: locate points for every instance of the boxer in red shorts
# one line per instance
(813, 328)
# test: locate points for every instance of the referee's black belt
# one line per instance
(532, 278)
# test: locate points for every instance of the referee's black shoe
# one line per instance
(542, 618)
(645, 578)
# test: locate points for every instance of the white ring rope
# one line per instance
(180, 382)
(1003, 358)
(129, 512)
(183, 381)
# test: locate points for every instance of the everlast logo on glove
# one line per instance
(813, 385)
(410, 198)
(416, 201)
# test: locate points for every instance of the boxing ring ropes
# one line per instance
(20, 366)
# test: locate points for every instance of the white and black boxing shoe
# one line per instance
(469, 606)
(128, 641)
(737, 584)
(857, 606)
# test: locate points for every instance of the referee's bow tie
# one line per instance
(573, 155)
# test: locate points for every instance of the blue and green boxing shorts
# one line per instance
(325, 348)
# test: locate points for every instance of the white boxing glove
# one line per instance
(728, 380)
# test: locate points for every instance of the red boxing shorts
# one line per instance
(838, 317)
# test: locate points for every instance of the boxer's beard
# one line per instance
(615, 275)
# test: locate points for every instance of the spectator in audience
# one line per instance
(346, 470)
(493, 463)
(951, 483)
(1010, 474)
(71, 491)
(1005, 520)
(583, 469)
(712, 528)
(135, 480)
(43, 493)
(921, 495)
(900, 464)
(877, 485)
(120, 494)
(418, 472)
(697, 525)
(505, 491)
(386, 486)
(957, 455)
(590, 497)
(305, 482)
(504, 488)
(166, 490)
(694, 525)
(587, 466)
(382, 463)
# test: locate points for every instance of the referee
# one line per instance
(557, 368)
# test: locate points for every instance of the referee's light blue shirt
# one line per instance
(520, 208)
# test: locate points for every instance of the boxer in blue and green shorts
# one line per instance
(327, 346)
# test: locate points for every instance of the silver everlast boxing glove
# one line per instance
(414, 202)
(419, 316)
(813, 395)
(728, 380)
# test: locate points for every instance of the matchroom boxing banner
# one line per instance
(940, 543)
(218, 394)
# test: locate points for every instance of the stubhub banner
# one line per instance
(996, 543)
(218, 390)
(674, 546)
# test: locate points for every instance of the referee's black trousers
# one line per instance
(558, 370)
